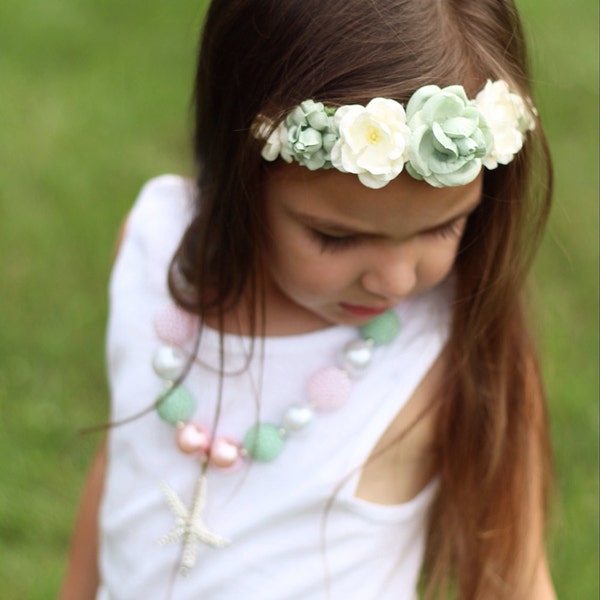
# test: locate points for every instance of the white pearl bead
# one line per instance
(297, 417)
(169, 362)
(357, 355)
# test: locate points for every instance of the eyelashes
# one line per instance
(451, 230)
(332, 243)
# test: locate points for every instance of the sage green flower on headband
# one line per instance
(311, 135)
(449, 136)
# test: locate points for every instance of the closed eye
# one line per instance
(451, 230)
(333, 243)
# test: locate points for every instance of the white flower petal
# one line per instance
(373, 140)
(372, 181)
(272, 146)
(508, 117)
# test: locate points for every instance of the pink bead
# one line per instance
(225, 453)
(175, 325)
(329, 388)
(192, 438)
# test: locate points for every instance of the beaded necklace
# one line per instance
(327, 390)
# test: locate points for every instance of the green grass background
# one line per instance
(93, 101)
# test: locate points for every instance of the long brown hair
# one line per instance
(265, 57)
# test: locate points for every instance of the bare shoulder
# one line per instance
(402, 462)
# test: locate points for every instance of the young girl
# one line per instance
(322, 378)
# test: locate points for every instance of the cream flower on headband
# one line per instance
(373, 141)
(508, 118)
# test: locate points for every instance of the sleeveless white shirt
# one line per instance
(286, 543)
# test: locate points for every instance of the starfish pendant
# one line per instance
(190, 526)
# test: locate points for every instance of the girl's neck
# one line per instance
(281, 317)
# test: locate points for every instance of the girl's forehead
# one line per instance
(340, 197)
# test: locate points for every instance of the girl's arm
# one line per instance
(81, 579)
(543, 588)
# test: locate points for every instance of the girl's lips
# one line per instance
(362, 311)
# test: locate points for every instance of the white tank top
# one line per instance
(284, 544)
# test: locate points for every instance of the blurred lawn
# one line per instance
(94, 101)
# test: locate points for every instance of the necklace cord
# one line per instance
(189, 364)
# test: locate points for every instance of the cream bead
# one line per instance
(297, 417)
(357, 356)
(169, 362)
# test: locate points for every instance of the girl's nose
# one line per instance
(392, 275)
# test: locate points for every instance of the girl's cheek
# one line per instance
(318, 280)
(437, 266)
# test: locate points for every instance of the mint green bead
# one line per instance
(382, 329)
(263, 442)
(176, 407)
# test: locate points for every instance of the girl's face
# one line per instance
(340, 252)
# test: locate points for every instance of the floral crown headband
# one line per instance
(442, 137)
